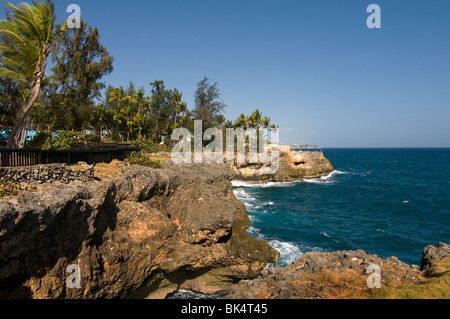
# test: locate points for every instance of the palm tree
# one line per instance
(251, 121)
(140, 100)
(26, 37)
(241, 121)
(265, 122)
(109, 120)
(118, 94)
(229, 124)
(220, 119)
(257, 117)
(128, 114)
(97, 119)
(139, 120)
(183, 110)
(176, 102)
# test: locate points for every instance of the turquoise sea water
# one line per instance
(389, 202)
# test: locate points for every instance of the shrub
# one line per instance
(138, 158)
(11, 189)
(42, 140)
(64, 140)
(148, 146)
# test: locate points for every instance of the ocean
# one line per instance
(388, 202)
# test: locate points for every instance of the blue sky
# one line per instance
(312, 66)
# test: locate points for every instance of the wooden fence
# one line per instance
(29, 157)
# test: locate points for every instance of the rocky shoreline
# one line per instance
(143, 234)
(146, 233)
(344, 274)
(293, 166)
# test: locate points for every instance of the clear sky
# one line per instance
(312, 66)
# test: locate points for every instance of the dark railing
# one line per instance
(29, 157)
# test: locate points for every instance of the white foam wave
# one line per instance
(255, 232)
(288, 252)
(324, 179)
(263, 185)
(243, 196)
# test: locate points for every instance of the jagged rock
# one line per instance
(431, 254)
(142, 235)
(321, 275)
(293, 165)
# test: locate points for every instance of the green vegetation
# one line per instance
(12, 189)
(64, 140)
(254, 120)
(9, 189)
(72, 97)
(139, 158)
(75, 83)
(148, 146)
(26, 38)
(350, 284)
(436, 286)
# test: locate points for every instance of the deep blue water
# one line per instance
(389, 202)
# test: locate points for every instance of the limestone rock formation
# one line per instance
(293, 165)
(431, 254)
(143, 234)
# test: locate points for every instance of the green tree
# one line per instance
(109, 120)
(251, 121)
(257, 118)
(176, 103)
(220, 120)
(26, 37)
(265, 122)
(207, 103)
(141, 100)
(183, 111)
(118, 95)
(127, 114)
(229, 124)
(139, 120)
(142, 103)
(241, 121)
(10, 100)
(160, 108)
(97, 120)
(81, 61)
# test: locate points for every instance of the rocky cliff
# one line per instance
(344, 274)
(142, 234)
(293, 165)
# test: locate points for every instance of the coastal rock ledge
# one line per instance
(293, 166)
(141, 234)
(344, 274)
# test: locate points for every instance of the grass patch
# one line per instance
(437, 286)
(108, 170)
(12, 189)
(350, 284)
(346, 285)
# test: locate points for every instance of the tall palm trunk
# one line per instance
(117, 122)
(35, 88)
(23, 114)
